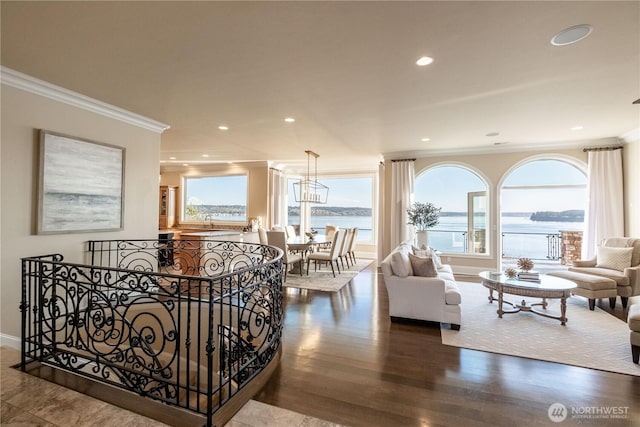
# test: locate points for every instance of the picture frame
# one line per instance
(81, 185)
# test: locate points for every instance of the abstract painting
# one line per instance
(81, 185)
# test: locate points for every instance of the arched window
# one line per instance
(541, 199)
(464, 217)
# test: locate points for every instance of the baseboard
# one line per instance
(9, 341)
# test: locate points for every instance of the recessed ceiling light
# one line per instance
(577, 128)
(223, 127)
(500, 143)
(172, 158)
(205, 155)
(425, 139)
(571, 35)
(493, 134)
(289, 120)
(185, 164)
(425, 60)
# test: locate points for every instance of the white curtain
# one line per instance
(605, 210)
(402, 179)
(278, 201)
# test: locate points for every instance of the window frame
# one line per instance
(469, 253)
(218, 220)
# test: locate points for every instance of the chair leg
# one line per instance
(332, 270)
(635, 353)
(301, 266)
(592, 304)
(625, 301)
(612, 302)
(308, 260)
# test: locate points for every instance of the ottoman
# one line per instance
(633, 320)
(591, 286)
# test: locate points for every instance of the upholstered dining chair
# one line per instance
(262, 235)
(329, 230)
(330, 256)
(346, 241)
(291, 231)
(279, 240)
(351, 252)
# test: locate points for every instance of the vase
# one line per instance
(422, 239)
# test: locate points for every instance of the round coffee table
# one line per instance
(547, 288)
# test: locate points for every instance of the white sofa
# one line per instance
(435, 299)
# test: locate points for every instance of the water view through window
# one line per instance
(349, 205)
(538, 200)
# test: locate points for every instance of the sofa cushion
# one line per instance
(619, 276)
(400, 263)
(614, 258)
(423, 266)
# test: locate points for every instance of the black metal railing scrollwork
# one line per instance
(183, 322)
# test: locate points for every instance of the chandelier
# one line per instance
(309, 190)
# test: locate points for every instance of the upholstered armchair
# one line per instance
(617, 258)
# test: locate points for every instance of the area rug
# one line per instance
(323, 280)
(590, 339)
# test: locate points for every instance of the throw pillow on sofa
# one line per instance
(424, 267)
(614, 258)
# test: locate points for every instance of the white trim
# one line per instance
(10, 341)
(27, 83)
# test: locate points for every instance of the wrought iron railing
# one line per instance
(540, 246)
(543, 246)
(160, 319)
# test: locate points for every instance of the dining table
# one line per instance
(304, 244)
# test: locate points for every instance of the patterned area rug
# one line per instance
(590, 339)
(323, 280)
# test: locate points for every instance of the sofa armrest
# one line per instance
(633, 273)
(584, 262)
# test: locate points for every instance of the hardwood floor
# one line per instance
(345, 362)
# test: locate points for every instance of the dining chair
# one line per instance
(279, 240)
(351, 252)
(291, 231)
(330, 256)
(262, 235)
(346, 241)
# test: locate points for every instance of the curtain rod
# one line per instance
(615, 147)
(404, 160)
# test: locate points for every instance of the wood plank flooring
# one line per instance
(345, 362)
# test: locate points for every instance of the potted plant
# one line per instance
(423, 216)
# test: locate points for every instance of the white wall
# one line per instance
(23, 114)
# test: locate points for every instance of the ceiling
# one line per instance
(344, 70)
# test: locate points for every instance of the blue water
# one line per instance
(531, 242)
(362, 222)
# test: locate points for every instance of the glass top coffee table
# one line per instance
(547, 288)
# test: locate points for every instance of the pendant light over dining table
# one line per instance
(309, 190)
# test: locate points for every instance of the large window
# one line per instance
(215, 198)
(462, 195)
(350, 204)
(539, 200)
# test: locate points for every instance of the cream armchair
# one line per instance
(618, 258)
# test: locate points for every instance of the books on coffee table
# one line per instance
(532, 276)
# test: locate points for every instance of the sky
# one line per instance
(439, 184)
(444, 186)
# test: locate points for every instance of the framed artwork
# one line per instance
(81, 185)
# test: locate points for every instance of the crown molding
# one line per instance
(632, 136)
(501, 149)
(36, 86)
